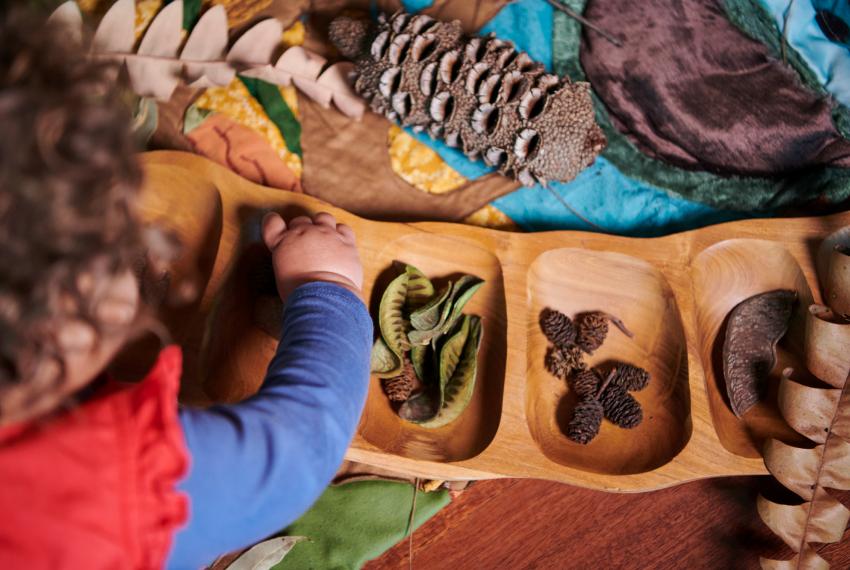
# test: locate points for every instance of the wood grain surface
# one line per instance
(532, 524)
(673, 293)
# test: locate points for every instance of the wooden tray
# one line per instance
(673, 292)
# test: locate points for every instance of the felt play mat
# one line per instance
(712, 112)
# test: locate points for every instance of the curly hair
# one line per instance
(68, 182)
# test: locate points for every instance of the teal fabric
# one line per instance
(830, 61)
(602, 195)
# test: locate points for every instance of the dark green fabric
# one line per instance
(191, 12)
(732, 192)
(278, 111)
(756, 22)
(357, 522)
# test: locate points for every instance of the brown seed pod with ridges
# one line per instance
(400, 388)
(586, 421)
(620, 407)
(586, 383)
(476, 93)
(593, 329)
(632, 378)
(562, 362)
(557, 327)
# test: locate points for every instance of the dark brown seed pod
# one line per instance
(586, 383)
(593, 329)
(563, 362)
(587, 418)
(557, 327)
(630, 377)
(620, 407)
(400, 388)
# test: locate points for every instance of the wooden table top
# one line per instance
(519, 524)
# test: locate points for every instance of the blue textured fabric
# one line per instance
(257, 465)
(830, 61)
(612, 202)
(416, 5)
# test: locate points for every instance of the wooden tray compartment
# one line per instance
(673, 292)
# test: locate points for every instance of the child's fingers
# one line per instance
(273, 228)
(300, 221)
(346, 232)
(325, 219)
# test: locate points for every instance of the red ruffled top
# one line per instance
(94, 487)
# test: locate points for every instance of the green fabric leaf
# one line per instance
(267, 554)
(191, 13)
(726, 192)
(357, 522)
(278, 111)
(194, 117)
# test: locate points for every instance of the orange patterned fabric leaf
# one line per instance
(243, 151)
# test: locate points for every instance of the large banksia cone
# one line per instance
(400, 388)
(561, 362)
(587, 419)
(620, 407)
(475, 93)
(631, 377)
(558, 328)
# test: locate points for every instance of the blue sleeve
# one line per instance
(257, 465)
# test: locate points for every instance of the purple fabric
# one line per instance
(690, 88)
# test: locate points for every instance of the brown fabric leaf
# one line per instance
(827, 339)
(347, 164)
(472, 15)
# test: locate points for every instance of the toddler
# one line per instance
(98, 474)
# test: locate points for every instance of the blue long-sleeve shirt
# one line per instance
(259, 464)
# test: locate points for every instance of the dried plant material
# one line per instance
(432, 381)
(838, 274)
(593, 329)
(400, 388)
(754, 328)
(562, 362)
(267, 554)
(155, 69)
(558, 328)
(586, 383)
(457, 390)
(823, 416)
(587, 419)
(477, 94)
(620, 407)
(630, 377)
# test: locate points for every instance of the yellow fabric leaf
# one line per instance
(491, 217)
(420, 166)
(242, 11)
(294, 35)
(235, 102)
(145, 11)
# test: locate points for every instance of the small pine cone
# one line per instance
(586, 383)
(620, 407)
(400, 388)
(563, 362)
(558, 328)
(587, 418)
(632, 378)
(592, 330)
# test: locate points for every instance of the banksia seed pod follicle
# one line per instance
(476, 93)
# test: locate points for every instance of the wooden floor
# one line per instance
(521, 524)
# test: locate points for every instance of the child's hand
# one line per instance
(312, 250)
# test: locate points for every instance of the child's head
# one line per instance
(68, 232)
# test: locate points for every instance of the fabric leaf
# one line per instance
(155, 69)
(278, 111)
(267, 554)
(157, 74)
(68, 15)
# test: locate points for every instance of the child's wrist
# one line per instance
(319, 277)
